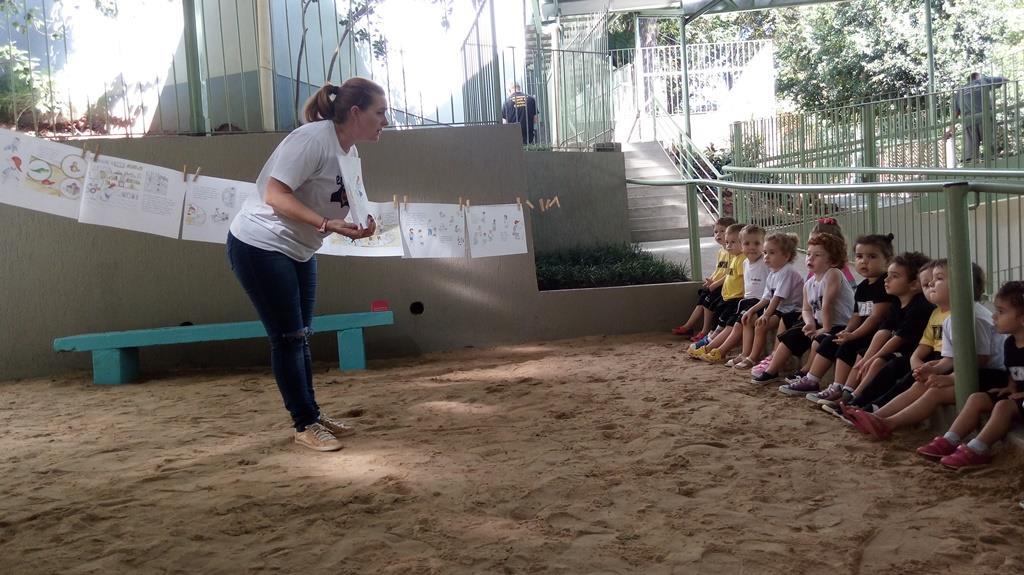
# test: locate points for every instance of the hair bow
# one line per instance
(828, 221)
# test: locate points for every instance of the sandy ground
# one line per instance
(599, 455)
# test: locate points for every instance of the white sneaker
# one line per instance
(318, 438)
(335, 426)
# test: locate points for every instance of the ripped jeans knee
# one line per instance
(294, 339)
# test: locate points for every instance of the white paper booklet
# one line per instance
(358, 202)
(385, 242)
(496, 230)
(41, 175)
(133, 196)
(210, 205)
(433, 230)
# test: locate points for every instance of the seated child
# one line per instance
(871, 304)
(1006, 404)
(755, 271)
(933, 385)
(732, 290)
(822, 226)
(887, 359)
(781, 300)
(710, 294)
(827, 306)
(881, 383)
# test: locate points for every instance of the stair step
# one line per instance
(657, 211)
(656, 202)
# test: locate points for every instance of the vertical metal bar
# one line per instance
(965, 361)
(193, 54)
(496, 96)
(241, 64)
(224, 62)
(684, 56)
(693, 225)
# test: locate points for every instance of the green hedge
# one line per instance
(605, 266)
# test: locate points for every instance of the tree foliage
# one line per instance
(836, 53)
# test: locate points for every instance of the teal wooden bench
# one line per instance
(115, 355)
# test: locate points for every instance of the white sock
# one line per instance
(952, 438)
(977, 446)
(847, 387)
(812, 378)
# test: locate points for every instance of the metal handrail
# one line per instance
(963, 172)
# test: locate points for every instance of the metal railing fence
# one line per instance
(907, 131)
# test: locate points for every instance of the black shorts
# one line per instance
(991, 379)
(798, 343)
(846, 352)
(732, 311)
(710, 299)
(790, 318)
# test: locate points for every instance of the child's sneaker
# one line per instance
(712, 356)
(937, 449)
(965, 457)
(758, 369)
(702, 342)
(831, 395)
(765, 377)
(698, 336)
(802, 387)
(837, 411)
(695, 352)
(796, 377)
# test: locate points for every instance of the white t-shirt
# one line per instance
(843, 302)
(986, 340)
(788, 284)
(307, 162)
(754, 276)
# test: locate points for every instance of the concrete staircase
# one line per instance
(657, 213)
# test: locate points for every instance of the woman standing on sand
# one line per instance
(274, 237)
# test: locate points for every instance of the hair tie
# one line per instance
(827, 221)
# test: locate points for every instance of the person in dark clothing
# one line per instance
(522, 109)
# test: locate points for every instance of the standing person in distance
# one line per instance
(274, 238)
(521, 109)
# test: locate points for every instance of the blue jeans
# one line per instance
(283, 291)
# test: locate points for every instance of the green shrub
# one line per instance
(604, 266)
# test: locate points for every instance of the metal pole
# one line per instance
(867, 123)
(932, 113)
(193, 54)
(496, 103)
(965, 361)
(686, 75)
(693, 229)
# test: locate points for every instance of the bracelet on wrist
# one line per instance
(323, 227)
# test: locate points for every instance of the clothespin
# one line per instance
(519, 202)
(195, 176)
(84, 150)
(460, 202)
(394, 199)
(555, 202)
(184, 173)
(467, 203)
(96, 154)
(528, 204)
(405, 201)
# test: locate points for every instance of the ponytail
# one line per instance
(334, 102)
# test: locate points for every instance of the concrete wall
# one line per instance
(60, 277)
(591, 189)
